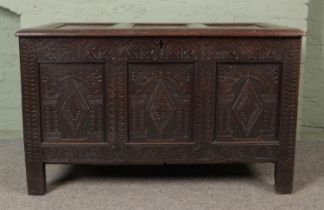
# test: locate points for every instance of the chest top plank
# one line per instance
(144, 29)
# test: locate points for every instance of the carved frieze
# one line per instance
(158, 49)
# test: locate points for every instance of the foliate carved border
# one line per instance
(30, 94)
(289, 101)
(122, 104)
(204, 101)
(116, 101)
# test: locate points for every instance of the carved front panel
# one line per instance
(247, 101)
(160, 97)
(72, 101)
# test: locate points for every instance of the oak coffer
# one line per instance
(124, 94)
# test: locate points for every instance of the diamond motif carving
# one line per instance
(161, 106)
(74, 107)
(247, 107)
(247, 101)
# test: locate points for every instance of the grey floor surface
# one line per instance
(237, 186)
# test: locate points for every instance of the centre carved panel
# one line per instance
(160, 97)
(247, 101)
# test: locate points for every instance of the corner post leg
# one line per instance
(284, 176)
(284, 165)
(36, 178)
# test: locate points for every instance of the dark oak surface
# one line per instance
(146, 29)
(159, 94)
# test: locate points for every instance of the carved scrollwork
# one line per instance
(151, 49)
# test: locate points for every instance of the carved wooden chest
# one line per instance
(159, 94)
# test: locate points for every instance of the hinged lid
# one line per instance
(146, 29)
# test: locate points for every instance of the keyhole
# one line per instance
(161, 44)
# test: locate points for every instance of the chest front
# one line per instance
(160, 98)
